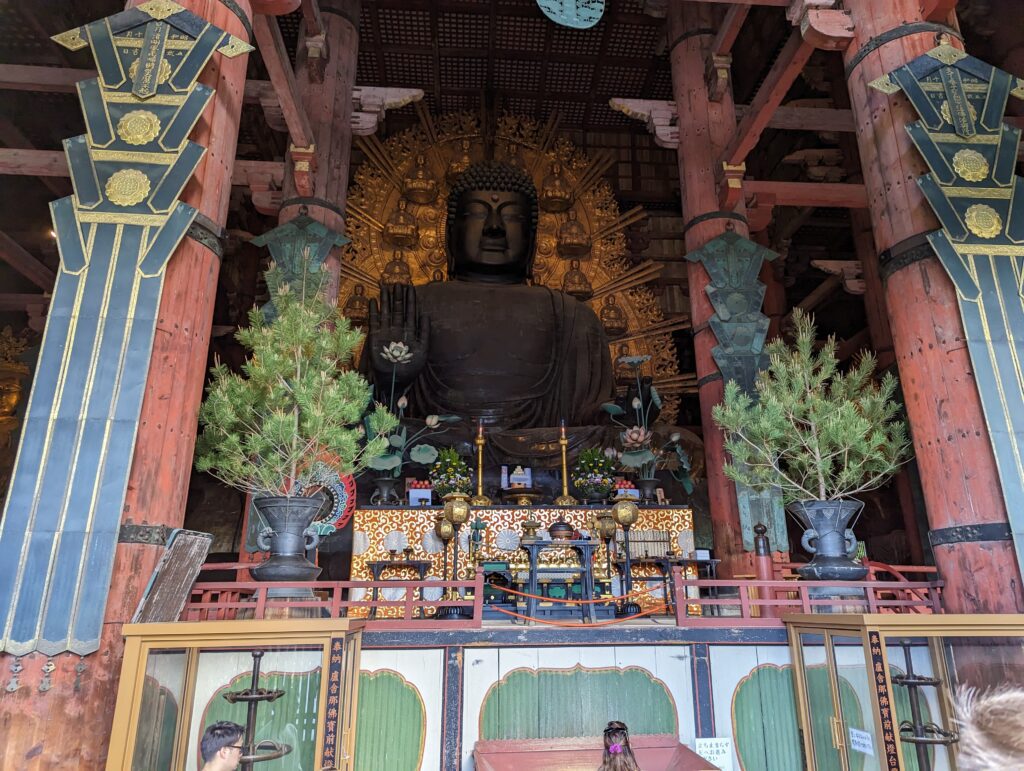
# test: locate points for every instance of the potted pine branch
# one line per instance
(820, 435)
(296, 410)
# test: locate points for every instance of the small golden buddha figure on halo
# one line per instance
(357, 307)
(461, 160)
(624, 373)
(613, 319)
(401, 229)
(573, 240)
(420, 186)
(437, 275)
(576, 283)
(555, 195)
(514, 156)
(397, 270)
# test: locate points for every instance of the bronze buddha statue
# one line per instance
(486, 344)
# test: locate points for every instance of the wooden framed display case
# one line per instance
(876, 692)
(178, 678)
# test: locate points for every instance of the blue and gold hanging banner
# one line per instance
(733, 264)
(116, 234)
(972, 188)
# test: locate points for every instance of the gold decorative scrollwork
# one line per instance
(138, 127)
(970, 165)
(983, 221)
(406, 180)
(127, 187)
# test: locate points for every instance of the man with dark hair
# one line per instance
(220, 746)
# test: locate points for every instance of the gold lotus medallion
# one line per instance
(947, 114)
(970, 165)
(983, 221)
(138, 127)
(162, 75)
(127, 187)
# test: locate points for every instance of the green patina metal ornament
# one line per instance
(575, 14)
(733, 264)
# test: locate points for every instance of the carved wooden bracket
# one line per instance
(716, 75)
(731, 189)
(826, 28)
(849, 270)
(370, 103)
(303, 168)
(659, 115)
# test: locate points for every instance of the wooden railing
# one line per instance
(726, 602)
(699, 602)
(222, 601)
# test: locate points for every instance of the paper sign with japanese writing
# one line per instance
(861, 741)
(717, 751)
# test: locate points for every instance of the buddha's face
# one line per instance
(492, 231)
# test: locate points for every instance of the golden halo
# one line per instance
(127, 187)
(970, 165)
(377, 191)
(983, 221)
(138, 127)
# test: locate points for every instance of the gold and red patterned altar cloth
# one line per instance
(383, 533)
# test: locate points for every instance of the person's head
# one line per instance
(618, 755)
(991, 729)
(221, 746)
(492, 222)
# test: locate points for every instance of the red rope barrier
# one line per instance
(638, 593)
(641, 614)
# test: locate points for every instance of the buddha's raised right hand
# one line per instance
(398, 335)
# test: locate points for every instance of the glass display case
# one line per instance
(876, 692)
(292, 684)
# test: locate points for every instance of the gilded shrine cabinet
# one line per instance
(299, 677)
(876, 692)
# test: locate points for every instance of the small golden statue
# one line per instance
(357, 307)
(420, 186)
(624, 373)
(397, 270)
(613, 318)
(555, 195)
(576, 283)
(573, 240)
(401, 230)
(459, 163)
(513, 156)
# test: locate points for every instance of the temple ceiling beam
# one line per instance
(16, 301)
(727, 33)
(25, 263)
(282, 76)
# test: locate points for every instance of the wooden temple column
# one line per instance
(57, 711)
(705, 129)
(958, 471)
(317, 177)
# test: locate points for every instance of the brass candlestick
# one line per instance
(565, 499)
(480, 499)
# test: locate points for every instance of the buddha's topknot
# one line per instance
(493, 175)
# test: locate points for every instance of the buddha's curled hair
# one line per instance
(493, 175)
(991, 729)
